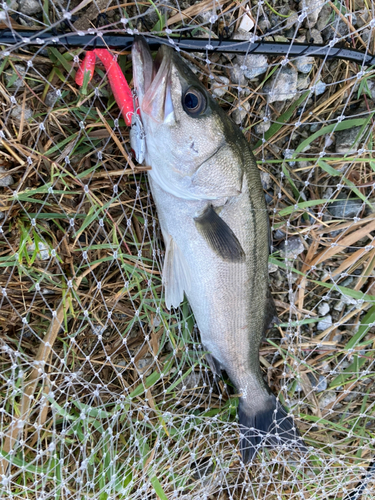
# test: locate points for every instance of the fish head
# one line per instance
(183, 124)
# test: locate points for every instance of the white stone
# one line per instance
(18, 110)
(219, 86)
(272, 268)
(30, 7)
(327, 399)
(7, 180)
(252, 65)
(282, 86)
(325, 323)
(323, 308)
(43, 253)
(304, 64)
(247, 24)
(312, 9)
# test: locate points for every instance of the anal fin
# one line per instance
(176, 274)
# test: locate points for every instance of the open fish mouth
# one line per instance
(152, 80)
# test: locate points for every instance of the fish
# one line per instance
(213, 217)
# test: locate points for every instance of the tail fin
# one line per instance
(271, 424)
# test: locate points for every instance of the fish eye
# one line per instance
(193, 102)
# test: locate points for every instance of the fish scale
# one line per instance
(213, 216)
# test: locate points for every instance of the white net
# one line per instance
(105, 394)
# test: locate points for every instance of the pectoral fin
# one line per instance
(219, 236)
(176, 275)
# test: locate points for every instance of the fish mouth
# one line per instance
(152, 80)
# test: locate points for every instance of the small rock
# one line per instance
(247, 24)
(144, 364)
(291, 247)
(12, 78)
(272, 268)
(320, 384)
(348, 281)
(151, 16)
(320, 87)
(339, 306)
(316, 36)
(97, 329)
(252, 65)
(279, 234)
(343, 209)
(362, 18)
(303, 82)
(18, 110)
(349, 301)
(30, 7)
(324, 17)
(325, 323)
(337, 338)
(327, 399)
(240, 113)
(347, 141)
(291, 20)
(323, 308)
(219, 86)
(13, 5)
(264, 23)
(263, 127)
(312, 9)
(366, 35)
(314, 127)
(43, 253)
(6, 180)
(304, 64)
(266, 180)
(325, 367)
(51, 98)
(237, 75)
(282, 86)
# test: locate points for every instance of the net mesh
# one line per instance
(105, 393)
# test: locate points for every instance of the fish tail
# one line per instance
(271, 424)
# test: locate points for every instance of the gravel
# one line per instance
(240, 113)
(323, 308)
(43, 253)
(7, 180)
(320, 87)
(303, 82)
(343, 209)
(18, 111)
(220, 86)
(237, 75)
(12, 78)
(304, 64)
(347, 140)
(30, 7)
(316, 36)
(291, 247)
(327, 399)
(282, 85)
(325, 323)
(312, 8)
(252, 65)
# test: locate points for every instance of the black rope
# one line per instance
(12, 38)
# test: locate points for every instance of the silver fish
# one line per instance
(215, 226)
